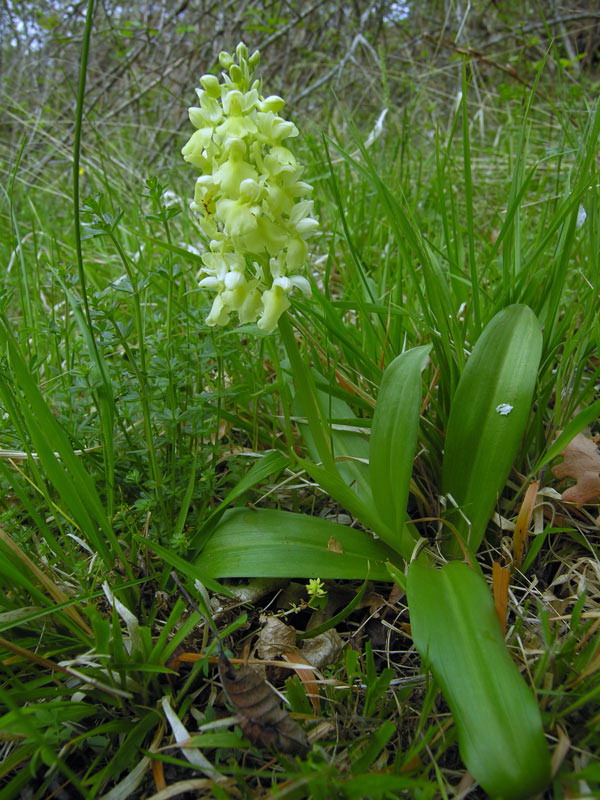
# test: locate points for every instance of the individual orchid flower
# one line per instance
(250, 199)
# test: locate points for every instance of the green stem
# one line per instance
(171, 392)
(469, 203)
(307, 394)
(105, 408)
(143, 374)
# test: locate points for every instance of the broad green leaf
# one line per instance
(394, 438)
(489, 412)
(456, 632)
(335, 486)
(281, 544)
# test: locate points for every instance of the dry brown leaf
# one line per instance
(522, 523)
(307, 675)
(500, 581)
(324, 649)
(260, 715)
(275, 638)
(257, 704)
(581, 461)
(334, 546)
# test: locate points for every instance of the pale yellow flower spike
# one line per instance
(250, 200)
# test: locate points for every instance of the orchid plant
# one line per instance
(252, 205)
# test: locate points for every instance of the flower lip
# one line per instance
(233, 280)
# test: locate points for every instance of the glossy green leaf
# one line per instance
(456, 632)
(489, 413)
(266, 543)
(338, 489)
(394, 439)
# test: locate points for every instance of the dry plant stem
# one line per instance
(500, 582)
(471, 53)
(522, 523)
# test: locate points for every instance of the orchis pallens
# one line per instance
(250, 200)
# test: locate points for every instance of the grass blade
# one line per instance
(307, 395)
(350, 447)
(270, 464)
(56, 455)
(584, 418)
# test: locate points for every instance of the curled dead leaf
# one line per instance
(260, 715)
(279, 640)
(259, 711)
(275, 638)
(324, 649)
(581, 461)
(334, 546)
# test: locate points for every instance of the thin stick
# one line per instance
(203, 613)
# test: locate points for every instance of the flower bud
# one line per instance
(272, 103)
(236, 74)
(210, 83)
(241, 52)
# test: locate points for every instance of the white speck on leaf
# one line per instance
(504, 409)
(581, 216)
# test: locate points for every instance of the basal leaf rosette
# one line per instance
(250, 199)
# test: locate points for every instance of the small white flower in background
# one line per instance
(581, 216)
(504, 409)
(250, 199)
(170, 199)
(190, 248)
